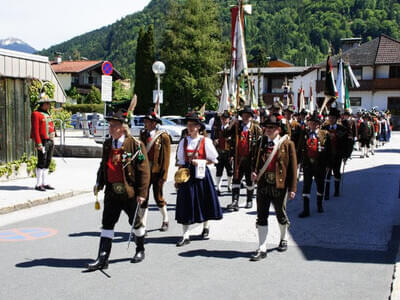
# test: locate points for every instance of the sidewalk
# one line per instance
(73, 176)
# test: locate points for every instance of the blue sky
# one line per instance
(43, 23)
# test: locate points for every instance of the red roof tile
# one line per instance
(74, 66)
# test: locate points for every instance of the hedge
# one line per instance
(84, 108)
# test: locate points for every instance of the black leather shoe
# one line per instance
(282, 246)
(164, 226)
(183, 242)
(205, 233)
(249, 204)
(139, 257)
(40, 188)
(48, 187)
(234, 206)
(259, 255)
(100, 263)
(304, 214)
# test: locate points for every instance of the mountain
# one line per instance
(294, 30)
(16, 45)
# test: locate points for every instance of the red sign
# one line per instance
(107, 68)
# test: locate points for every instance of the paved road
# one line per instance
(346, 253)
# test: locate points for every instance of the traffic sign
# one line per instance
(107, 68)
(155, 95)
(106, 88)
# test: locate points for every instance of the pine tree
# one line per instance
(145, 80)
(192, 52)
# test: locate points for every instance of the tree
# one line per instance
(145, 80)
(94, 96)
(192, 52)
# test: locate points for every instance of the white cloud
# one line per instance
(44, 23)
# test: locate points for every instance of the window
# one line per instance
(394, 105)
(90, 78)
(276, 85)
(394, 72)
(320, 101)
(355, 101)
(358, 73)
(322, 75)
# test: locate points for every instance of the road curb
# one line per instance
(40, 201)
(395, 292)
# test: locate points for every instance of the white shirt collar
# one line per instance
(153, 133)
(120, 141)
(276, 140)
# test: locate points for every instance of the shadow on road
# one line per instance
(56, 263)
(359, 226)
(14, 188)
(227, 254)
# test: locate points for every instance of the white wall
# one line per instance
(382, 71)
(65, 80)
(367, 73)
(305, 82)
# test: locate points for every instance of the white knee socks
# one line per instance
(262, 237)
(164, 213)
(283, 229)
(185, 229)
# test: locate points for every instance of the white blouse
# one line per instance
(211, 152)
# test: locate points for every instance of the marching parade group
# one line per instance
(271, 148)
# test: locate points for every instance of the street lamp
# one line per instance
(158, 69)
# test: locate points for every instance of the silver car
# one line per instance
(174, 131)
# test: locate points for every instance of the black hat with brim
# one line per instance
(334, 112)
(246, 110)
(273, 119)
(152, 117)
(315, 117)
(226, 114)
(121, 116)
(194, 117)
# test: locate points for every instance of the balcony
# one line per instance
(381, 84)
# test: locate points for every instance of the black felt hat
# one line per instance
(195, 117)
(246, 110)
(152, 116)
(334, 112)
(273, 119)
(120, 115)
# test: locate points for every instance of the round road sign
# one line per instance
(107, 68)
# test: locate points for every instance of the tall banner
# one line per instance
(311, 106)
(340, 81)
(224, 101)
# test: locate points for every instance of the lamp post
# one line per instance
(158, 69)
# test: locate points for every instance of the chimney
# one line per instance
(58, 58)
(350, 43)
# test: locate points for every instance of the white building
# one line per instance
(376, 65)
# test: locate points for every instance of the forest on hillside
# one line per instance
(294, 30)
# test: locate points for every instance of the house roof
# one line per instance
(75, 66)
(381, 50)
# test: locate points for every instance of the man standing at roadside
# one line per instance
(158, 147)
(43, 133)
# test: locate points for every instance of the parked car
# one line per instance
(174, 131)
(182, 121)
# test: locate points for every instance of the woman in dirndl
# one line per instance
(197, 200)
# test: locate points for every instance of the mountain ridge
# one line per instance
(16, 44)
